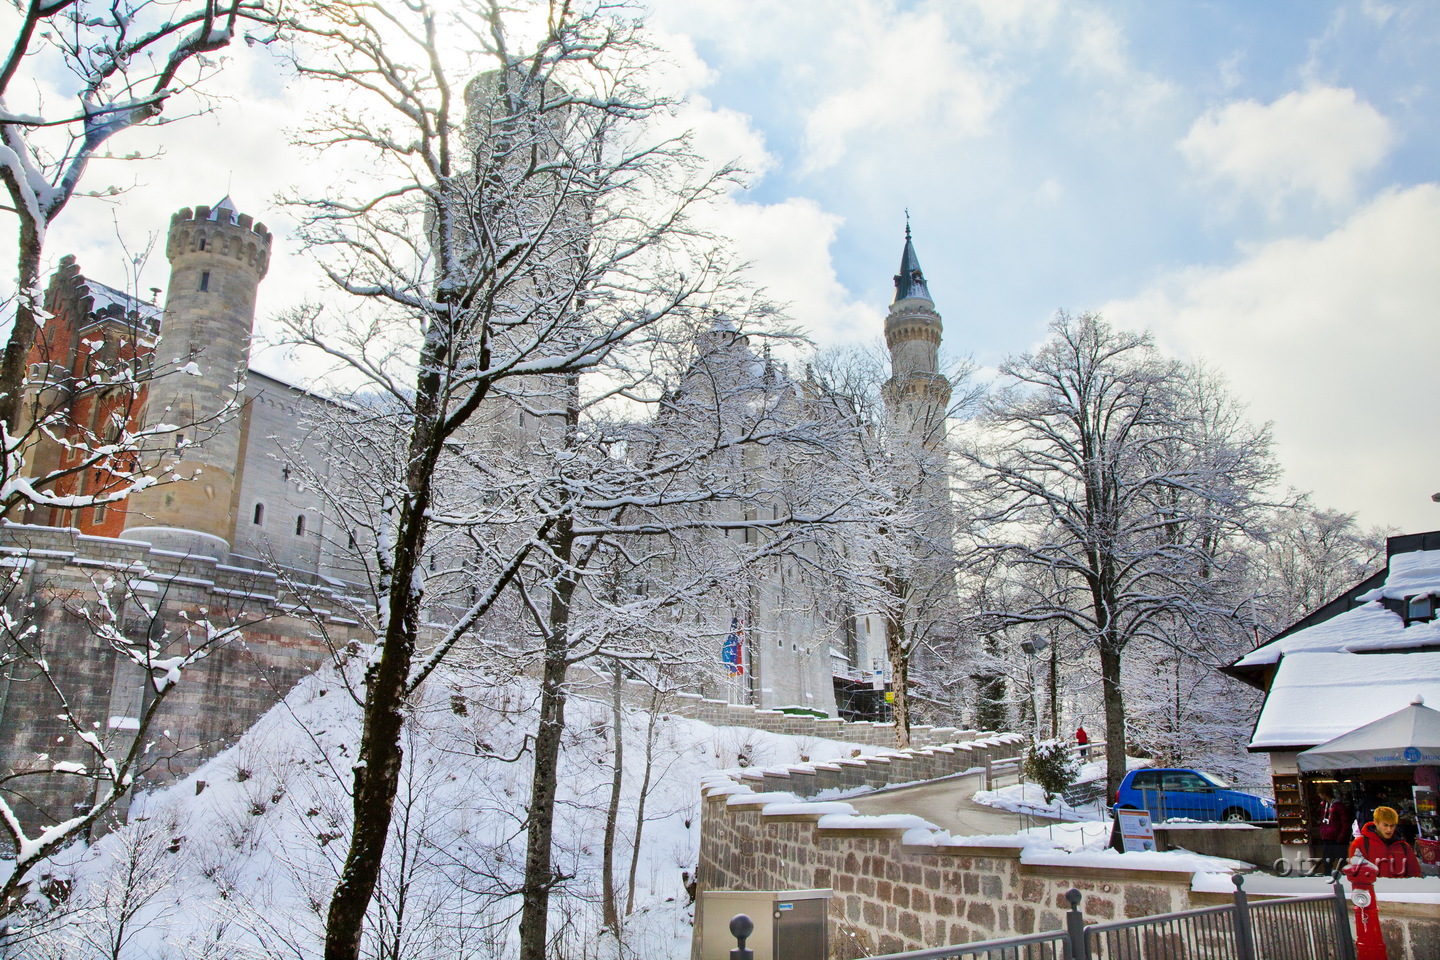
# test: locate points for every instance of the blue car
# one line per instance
(1189, 795)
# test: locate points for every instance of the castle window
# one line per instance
(300, 525)
(97, 515)
(202, 247)
(179, 441)
(205, 280)
(351, 544)
(285, 473)
(259, 516)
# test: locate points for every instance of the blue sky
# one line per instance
(1256, 183)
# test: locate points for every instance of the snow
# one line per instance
(1029, 798)
(1413, 574)
(883, 821)
(1177, 861)
(1366, 628)
(264, 838)
(1354, 690)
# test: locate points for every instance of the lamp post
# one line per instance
(1032, 647)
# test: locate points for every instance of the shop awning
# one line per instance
(1406, 738)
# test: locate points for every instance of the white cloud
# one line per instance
(788, 245)
(1331, 339)
(1316, 142)
(906, 73)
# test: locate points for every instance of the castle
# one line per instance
(244, 534)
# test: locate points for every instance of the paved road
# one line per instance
(947, 804)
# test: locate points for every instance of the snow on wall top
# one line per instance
(1317, 697)
(1369, 627)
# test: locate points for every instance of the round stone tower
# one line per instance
(217, 259)
(917, 394)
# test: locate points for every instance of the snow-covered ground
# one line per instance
(244, 852)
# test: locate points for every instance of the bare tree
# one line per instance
(1097, 463)
(98, 756)
(902, 562)
(119, 65)
(491, 260)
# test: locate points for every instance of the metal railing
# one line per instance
(1294, 928)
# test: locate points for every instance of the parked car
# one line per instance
(1189, 795)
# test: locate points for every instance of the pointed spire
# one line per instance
(224, 210)
(910, 281)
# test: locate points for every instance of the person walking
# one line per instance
(1335, 830)
(1083, 739)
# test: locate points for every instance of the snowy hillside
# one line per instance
(238, 860)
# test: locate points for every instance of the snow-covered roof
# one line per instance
(1371, 626)
(1411, 574)
(1316, 697)
(104, 296)
(1367, 628)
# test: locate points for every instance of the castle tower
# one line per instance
(217, 260)
(917, 394)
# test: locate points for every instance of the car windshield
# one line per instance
(1217, 781)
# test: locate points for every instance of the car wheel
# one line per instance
(1236, 815)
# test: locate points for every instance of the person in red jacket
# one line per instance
(1379, 843)
(1083, 739)
(1335, 830)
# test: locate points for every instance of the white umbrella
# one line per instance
(1406, 738)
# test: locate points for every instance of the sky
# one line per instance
(1256, 184)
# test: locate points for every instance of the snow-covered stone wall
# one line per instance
(898, 884)
(217, 699)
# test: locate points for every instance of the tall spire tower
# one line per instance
(917, 394)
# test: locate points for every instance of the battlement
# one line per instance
(220, 231)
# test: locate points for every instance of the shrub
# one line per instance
(1052, 765)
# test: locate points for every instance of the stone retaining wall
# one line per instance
(287, 631)
(897, 888)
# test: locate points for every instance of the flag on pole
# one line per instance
(732, 654)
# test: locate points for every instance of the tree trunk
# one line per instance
(539, 871)
(1114, 699)
(377, 771)
(640, 806)
(23, 333)
(609, 909)
(899, 678)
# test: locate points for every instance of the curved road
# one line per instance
(947, 804)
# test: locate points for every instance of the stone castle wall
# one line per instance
(288, 630)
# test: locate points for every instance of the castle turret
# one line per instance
(917, 394)
(217, 259)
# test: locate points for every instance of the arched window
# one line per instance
(259, 517)
(300, 525)
(202, 243)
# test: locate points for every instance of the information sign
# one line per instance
(1135, 830)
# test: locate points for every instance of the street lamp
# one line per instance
(1032, 647)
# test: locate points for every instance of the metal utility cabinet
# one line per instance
(789, 924)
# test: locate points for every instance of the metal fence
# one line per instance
(1293, 928)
